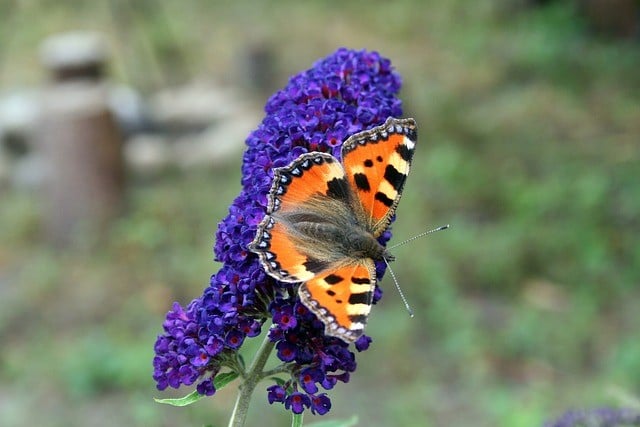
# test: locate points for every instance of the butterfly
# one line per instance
(324, 218)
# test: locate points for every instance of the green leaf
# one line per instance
(223, 379)
(219, 381)
(336, 423)
(241, 361)
(296, 421)
(182, 401)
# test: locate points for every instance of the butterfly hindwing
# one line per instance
(377, 163)
(341, 298)
(312, 187)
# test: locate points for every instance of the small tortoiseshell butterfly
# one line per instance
(324, 218)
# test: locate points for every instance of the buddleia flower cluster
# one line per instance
(342, 94)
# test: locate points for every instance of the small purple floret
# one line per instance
(320, 404)
(206, 388)
(297, 402)
(276, 393)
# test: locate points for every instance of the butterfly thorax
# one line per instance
(361, 244)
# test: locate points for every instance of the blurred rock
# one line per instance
(148, 153)
(18, 113)
(218, 144)
(194, 106)
(203, 124)
(130, 110)
(75, 55)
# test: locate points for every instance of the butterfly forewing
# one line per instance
(341, 298)
(311, 175)
(377, 163)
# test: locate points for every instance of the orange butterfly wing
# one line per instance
(341, 298)
(377, 163)
(314, 179)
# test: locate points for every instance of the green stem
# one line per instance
(252, 378)
(275, 371)
(297, 419)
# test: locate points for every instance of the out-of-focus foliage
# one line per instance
(529, 147)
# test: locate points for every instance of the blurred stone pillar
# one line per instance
(80, 142)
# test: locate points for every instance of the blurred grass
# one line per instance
(529, 147)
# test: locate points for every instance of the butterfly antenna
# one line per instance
(443, 227)
(395, 282)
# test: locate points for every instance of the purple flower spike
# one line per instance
(345, 93)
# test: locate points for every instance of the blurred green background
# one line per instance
(529, 147)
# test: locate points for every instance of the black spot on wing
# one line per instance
(338, 188)
(358, 318)
(361, 298)
(394, 177)
(362, 182)
(361, 280)
(315, 265)
(332, 279)
(368, 163)
(404, 152)
(382, 198)
(331, 293)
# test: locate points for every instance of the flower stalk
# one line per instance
(251, 379)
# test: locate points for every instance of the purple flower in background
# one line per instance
(345, 93)
(600, 417)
